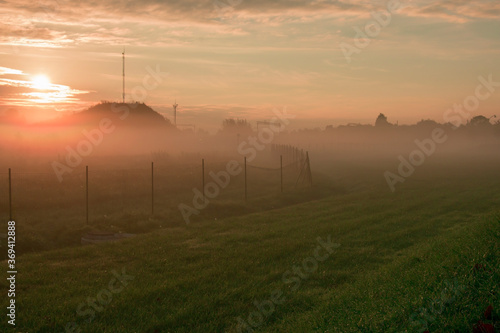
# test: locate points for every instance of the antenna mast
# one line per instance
(175, 112)
(123, 58)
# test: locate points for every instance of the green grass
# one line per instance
(398, 252)
(52, 215)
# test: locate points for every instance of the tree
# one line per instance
(382, 121)
(427, 123)
(232, 125)
(479, 121)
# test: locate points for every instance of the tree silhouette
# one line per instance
(478, 121)
(236, 125)
(427, 123)
(382, 121)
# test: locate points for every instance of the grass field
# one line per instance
(423, 257)
(52, 214)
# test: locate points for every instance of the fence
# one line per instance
(91, 193)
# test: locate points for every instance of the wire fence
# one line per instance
(92, 193)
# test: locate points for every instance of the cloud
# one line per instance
(248, 51)
(17, 88)
(61, 22)
(7, 71)
(57, 23)
(460, 11)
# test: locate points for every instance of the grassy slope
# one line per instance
(397, 251)
(51, 215)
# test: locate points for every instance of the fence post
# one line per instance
(152, 189)
(203, 177)
(87, 192)
(10, 195)
(281, 172)
(246, 197)
(309, 174)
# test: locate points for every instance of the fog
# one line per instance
(111, 133)
(119, 170)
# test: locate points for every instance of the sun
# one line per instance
(41, 82)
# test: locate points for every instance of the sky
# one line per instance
(327, 62)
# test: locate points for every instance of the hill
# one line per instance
(135, 128)
(133, 115)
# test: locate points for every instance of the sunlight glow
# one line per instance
(41, 82)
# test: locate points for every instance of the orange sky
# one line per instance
(246, 57)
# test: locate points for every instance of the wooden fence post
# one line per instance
(203, 177)
(87, 193)
(246, 194)
(152, 189)
(281, 172)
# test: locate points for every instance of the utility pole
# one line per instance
(175, 112)
(123, 58)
